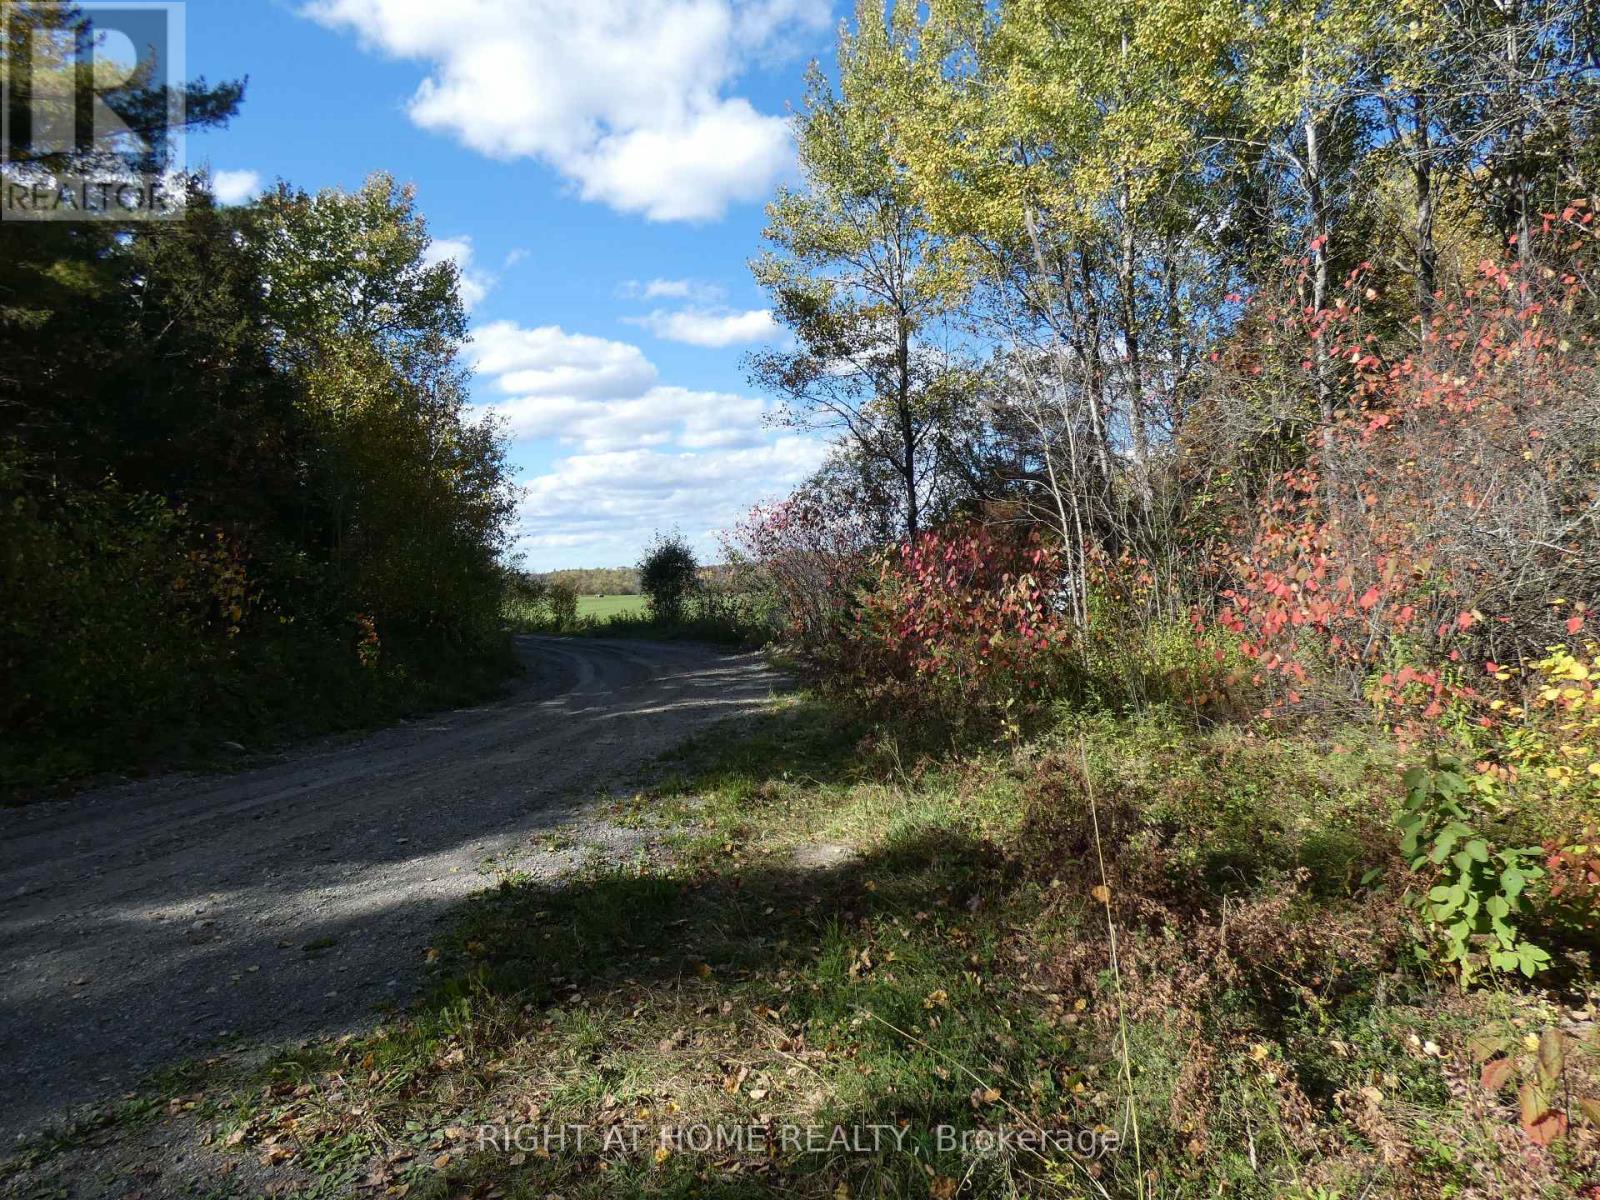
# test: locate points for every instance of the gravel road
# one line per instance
(140, 925)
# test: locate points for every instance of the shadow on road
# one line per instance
(145, 924)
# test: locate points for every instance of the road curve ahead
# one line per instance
(141, 924)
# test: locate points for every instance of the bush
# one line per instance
(802, 563)
(1448, 516)
(562, 601)
(668, 576)
(960, 626)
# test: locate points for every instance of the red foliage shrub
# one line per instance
(960, 624)
(803, 560)
(1445, 512)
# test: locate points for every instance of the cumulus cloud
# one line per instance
(657, 417)
(236, 187)
(548, 363)
(642, 455)
(712, 329)
(601, 508)
(601, 395)
(672, 289)
(632, 100)
(474, 285)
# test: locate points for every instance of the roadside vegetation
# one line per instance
(676, 598)
(239, 497)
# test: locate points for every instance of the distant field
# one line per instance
(603, 607)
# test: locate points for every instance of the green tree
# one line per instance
(237, 481)
(371, 332)
(863, 285)
(668, 577)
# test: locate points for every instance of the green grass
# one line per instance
(724, 620)
(603, 608)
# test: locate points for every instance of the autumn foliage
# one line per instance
(960, 625)
(1444, 520)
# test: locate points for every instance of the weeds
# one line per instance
(1185, 944)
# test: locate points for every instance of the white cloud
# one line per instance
(630, 99)
(549, 363)
(701, 327)
(473, 285)
(672, 289)
(593, 509)
(643, 455)
(658, 417)
(601, 395)
(236, 187)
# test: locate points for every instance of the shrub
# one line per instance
(1474, 890)
(803, 563)
(562, 601)
(959, 626)
(668, 576)
(1432, 525)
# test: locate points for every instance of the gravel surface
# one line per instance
(142, 925)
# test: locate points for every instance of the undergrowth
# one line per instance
(834, 931)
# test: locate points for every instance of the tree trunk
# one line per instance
(1317, 199)
(908, 428)
(1127, 287)
(1422, 177)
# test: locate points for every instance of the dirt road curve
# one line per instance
(139, 925)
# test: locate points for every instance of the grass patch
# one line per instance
(713, 619)
(603, 608)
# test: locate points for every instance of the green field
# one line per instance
(604, 607)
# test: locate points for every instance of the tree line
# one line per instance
(240, 492)
(1029, 234)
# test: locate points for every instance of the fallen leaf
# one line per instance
(1539, 1121)
(1496, 1074)
(1552, 1058)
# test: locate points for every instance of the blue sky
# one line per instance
(597, 168)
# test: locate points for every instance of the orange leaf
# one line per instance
(1540, 1122)
(1496, 1073)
